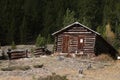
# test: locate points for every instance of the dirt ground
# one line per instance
(105, 70)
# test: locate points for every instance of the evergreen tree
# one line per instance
(23, 31)
(48, 41)
(117, 31)
(101, 30)
(11, 31)
(13, 46)
(40, 41)
(22, 20)
(68, 17)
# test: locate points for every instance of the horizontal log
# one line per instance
(88, 50)
(73, 44)
(59, 48)
(88, 47)
(89, 38)
(90, 42)
(76, 32)
(59, 44)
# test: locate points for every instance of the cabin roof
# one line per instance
(72, 25)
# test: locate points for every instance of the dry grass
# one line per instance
(61, 68)
(38, 66)
(15, 78)
(104, 57)
(16, 68)
(8, 69)
(54, 77)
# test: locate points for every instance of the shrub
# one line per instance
(13, 46)
(8, 69)
(104, 57)
(38, 66)
(54, 77)
(116, 44)
(40, 41)
(16, 68)
(23, 68)
(32, 52)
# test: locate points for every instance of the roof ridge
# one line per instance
(73, 24)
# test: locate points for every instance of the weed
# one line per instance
(24, 68)
(16, 68)
(8, 69)
(54, 77)
(38, 66)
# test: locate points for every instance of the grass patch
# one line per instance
(54, 77)
(38, 66)
(23, 68)
(104, 57)
(8, 69)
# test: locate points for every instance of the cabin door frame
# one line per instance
(65, 44)
(81, 39)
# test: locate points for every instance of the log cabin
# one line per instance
(76, 38)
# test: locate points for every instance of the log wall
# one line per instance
(74, 32)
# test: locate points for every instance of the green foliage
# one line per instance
(116, 44)
(117, 31)
(40, 41)
(13, 45)
(68, 17)
(25, 20)
(32, 52)
(101, 30)
(48, 39)
(23, 31)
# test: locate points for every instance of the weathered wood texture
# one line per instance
(17, 54)
(72, 43)
(38, 51)
(79, 39)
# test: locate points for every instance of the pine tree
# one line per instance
(23, 31)
(40, 41)
(13, 45)
(48, 41)
(68, 17)
(117, 31)
(11, 32)
(101, 30)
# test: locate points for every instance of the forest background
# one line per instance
(21, 21)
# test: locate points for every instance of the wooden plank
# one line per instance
(65, 44)
(88, 44)
(77, 32)
(88, 47)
